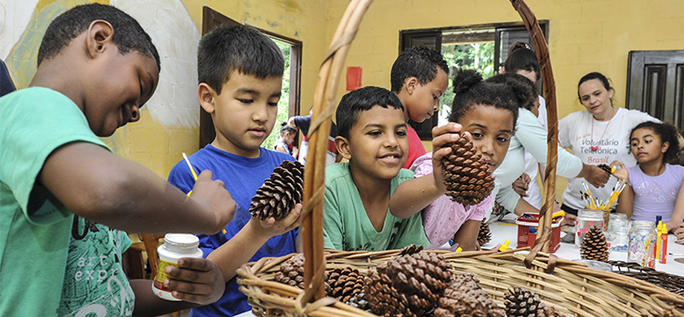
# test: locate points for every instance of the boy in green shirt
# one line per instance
(360, 194)
(64, 196)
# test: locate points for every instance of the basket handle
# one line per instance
(314, 173)
(542, 50)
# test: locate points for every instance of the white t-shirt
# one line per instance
(575, 133)
(534, 194)
(529, 135)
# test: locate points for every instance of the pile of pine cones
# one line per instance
(416, 283)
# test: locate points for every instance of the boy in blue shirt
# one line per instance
(61, 187)
(360, 194)
(240, 76)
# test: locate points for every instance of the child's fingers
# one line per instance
(451, 127)
(440, 153)
(293, 219)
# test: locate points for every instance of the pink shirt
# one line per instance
(442, 218)
(415, 149)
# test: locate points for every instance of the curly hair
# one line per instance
(420, 62)
(667, 132)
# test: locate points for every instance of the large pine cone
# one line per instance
(522, 302)
(292, 272)
(465, 297)
(347, 285)
(408, 285)
(466, 176)
(484, 235)
(594, 245)
(279, 194)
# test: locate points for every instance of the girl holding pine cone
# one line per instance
(487, 113)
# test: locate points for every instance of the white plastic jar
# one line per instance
(176, 246)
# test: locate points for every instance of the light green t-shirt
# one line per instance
(347, 226)
(34, 226)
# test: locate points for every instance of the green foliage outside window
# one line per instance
(478, 56)
(283, 104)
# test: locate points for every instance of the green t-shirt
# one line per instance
(34, 226)
(347, 226)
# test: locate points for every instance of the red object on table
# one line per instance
(528, 225)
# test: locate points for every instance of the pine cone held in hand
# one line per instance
(280, 193)
(466, 176)
(594, 245)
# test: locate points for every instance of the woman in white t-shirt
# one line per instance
(598, 135)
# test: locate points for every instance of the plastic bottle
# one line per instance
(663, 244)
(176, 246)
(658, 230)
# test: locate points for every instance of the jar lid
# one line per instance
(181, 239)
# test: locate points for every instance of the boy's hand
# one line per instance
(196, 280)
(214, 196)
(441, 136)
(521, 185)
(270, 227)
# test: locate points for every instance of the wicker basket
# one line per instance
(571, 287)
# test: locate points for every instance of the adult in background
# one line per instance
(598, 135)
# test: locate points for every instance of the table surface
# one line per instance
(504, 231)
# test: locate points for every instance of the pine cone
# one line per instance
(465, 297)
(484, 235)
(522, 302)
(347, 285)
(292, 272)
(408, 285)
(466, 176)
(279, 194)
(594, 246)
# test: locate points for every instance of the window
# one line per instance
(481, 47)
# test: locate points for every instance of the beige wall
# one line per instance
(585, 35)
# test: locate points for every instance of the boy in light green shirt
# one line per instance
(371, 203)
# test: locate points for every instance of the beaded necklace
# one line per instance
(594, 148)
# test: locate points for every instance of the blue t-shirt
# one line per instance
(242, 176)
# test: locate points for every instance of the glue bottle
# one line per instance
(663, 244)
(659, 231)
(176, 246)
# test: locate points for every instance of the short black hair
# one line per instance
(667, 133)
(237, 48)
(128, 34)
(418, 61)
(520, 57)
(362, 99)
(471, 90)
